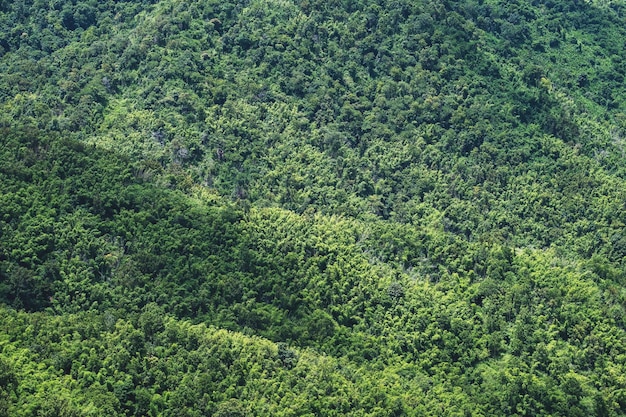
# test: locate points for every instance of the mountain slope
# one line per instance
(378, 208)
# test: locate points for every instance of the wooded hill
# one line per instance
(312, 208)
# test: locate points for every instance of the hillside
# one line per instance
(312, 208)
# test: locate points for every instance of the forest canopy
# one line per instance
(275, 207)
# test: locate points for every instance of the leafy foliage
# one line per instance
(312, 208)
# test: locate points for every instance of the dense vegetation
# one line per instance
(312, 208)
